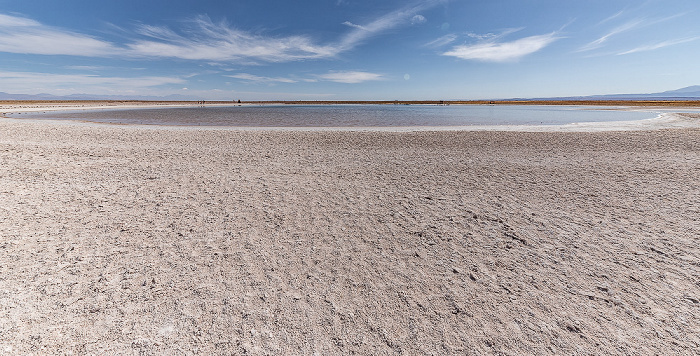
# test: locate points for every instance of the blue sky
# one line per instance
(348, 50)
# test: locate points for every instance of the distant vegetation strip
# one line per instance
(683, 103)
(674, 103)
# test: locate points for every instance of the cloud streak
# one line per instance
(26, 36)
(502, 51)
(350, 77)
(659, 45)
(219, 42)
(418, 19)
(32, 82)
(442, 41)
(203, 39)
(361, 33)
(350, 24)
(260, 79)
(629, 26)
(347, 77)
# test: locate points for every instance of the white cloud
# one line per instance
(493, 36)
(383, 23)
(350, 24)
(350, 77)
(32, 82)
(503, 51)
(15, 21)
(219, 42)
(614, 16)
(202, 40)
(442, 41)
(658, 45)
(486, 37)
(87, 68)
(259, 79)
(418, 19)
(26, 36)
(631, 25)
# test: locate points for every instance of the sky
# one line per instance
(347, 49)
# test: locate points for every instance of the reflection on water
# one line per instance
(353, 115)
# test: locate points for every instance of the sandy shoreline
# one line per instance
(126, 240)
(9, 107)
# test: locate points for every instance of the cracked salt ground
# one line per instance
(158, 241)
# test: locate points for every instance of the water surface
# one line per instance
(352, 115)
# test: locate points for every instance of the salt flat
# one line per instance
(177, 241)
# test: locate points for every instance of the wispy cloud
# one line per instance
(260, 79)
(628, 26)
(32, 82)
(26, 36)
(350, 24)
(612, 17)
(418, 19)
(362, 32)
(493, 51)
(15, 21)
(201, 39)
(659, 45)
(493, 36)
(442, 41)
(219, 42)
(350, 77)
(87, 68)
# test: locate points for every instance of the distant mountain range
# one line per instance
(174, 97)
(687, 93)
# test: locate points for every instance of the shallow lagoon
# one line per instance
(354, 115)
